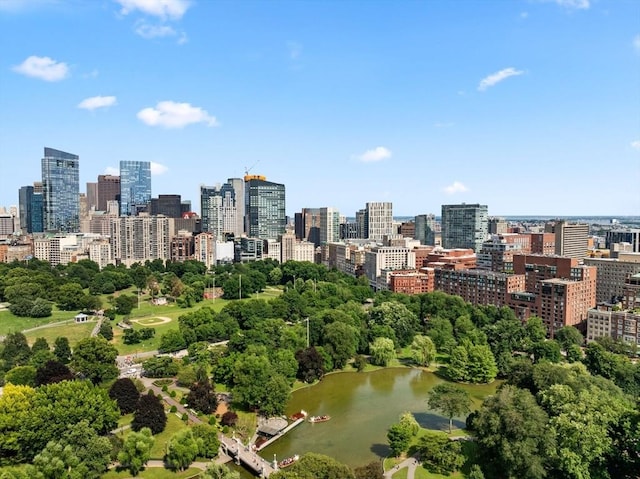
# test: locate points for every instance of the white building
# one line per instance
(386, 258)
(140, 238)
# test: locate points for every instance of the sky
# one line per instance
(531, 107)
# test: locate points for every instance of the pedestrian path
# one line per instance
(410, 462)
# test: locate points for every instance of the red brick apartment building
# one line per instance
(543, 243)
(437, 257)
(412, 281)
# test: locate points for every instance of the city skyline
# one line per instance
(530, 107)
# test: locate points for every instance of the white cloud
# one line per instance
(111, 170)
(455, 187)
(635, 145)
(173, 9)
(377, 154)
(97, 102)
(636, 43)
(497, 77)
(158, 169)
(146, 30)
(295, 50)
(170, 114)
(43, 68)
(571, 4)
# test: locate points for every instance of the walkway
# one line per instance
(410, 462)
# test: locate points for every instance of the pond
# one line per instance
(362, 406)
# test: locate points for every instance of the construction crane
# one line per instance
(248, 177)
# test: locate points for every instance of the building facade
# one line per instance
(464, 226)
(426, 229)
(379, 220)
(265, 208)
(108, 190)
(612, 275)
(135, 187)
(61, 191)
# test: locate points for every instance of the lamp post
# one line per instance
(307, 320)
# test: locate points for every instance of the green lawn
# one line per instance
(74, 332)
(9, 323)
(154, 473)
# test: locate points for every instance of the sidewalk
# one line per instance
(410, 462)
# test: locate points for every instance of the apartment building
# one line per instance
(612, 275)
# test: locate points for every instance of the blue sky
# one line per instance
(528, 106)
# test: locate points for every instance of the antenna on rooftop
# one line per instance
(247, 170)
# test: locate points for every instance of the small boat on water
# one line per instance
(319, 418)
(288, 461)
(298, 415)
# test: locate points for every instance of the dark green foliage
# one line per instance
(171, 341)
(202, 396)
(149, 413)
(95, 359)
(52, 372)
(41, 308)
(439, 454)
(125, 394)
(62, 350)
(15, 350)
(160, 367)
(135, 336)
(21, 375)
(182, 450)
(315, 466)
(373, 470)
(106, 331)
(546, 351)
(229, 418)
(310, 365)
(125, 303)
(451, 400)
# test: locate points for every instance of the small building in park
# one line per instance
(81, 318)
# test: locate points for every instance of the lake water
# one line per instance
(362, 406)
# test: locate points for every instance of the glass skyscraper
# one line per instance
(135, 186)
(61, 191)
(464, 226)
(265, 208)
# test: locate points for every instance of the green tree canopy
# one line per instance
(451, 400)
(95, 359)
(136, 450)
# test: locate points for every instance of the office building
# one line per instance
(92, 195)
(497, 225)
(380, 261)
(572, 239)
(307, 225)
(265, 208)
(497, 252)
(379, 220)
(329, 225)
(631, 236)
(135, 187)
(222, 208)
(108, 190)
(167, 205)
(30, 209)
(464, 226)
(611, 278)
(61, 191)
(426, 229)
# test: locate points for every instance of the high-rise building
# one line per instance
(25, 203)
(572, 239)
(140, 238)
(426, 229)
(61, 191)
(307, 225)
(108, 190)
(167, 205)
(379, 220)
(464, 226)
(92, 195)
(329, 225)
(631, 236)
(222, 208)
(265, 208)
(135, 186)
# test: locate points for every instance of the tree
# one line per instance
(423, 350)
(125, 303)
(15, 406)
(57, 406)
(439, 454)
(136, 450)
(71, 297)
(250, 375)
(340, 340)
(382, 351)
(310, 365)
(315, 466)
(40, 344)
(399, 437)
(182, 450)
(202, 396)
(125, 394)
(106, 331)
(277, 392)
(160, 367)
(547, 351)
(52, 372)
(93, 451)
(62, 350)
(95, 358)
(451, 400)
(229, 418)
(398, 317)
(475, 472)
(219, 471)
(55, 461)
(568, 336)
(373, 470)
(21, 375)
(15, 350)
(171, 341)
(207, 439)
(149, 414)
(458, 362)
(481, 367)
(513, 435)
(41, 308)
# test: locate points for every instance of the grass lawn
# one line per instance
(153, 473)
(125, 420)
(10, 323)
(74, 332)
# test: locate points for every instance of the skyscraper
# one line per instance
(265, 207)
(464, 226)
(108, 190)
(92, 195)
(135, 186)
(222, 208)
(425, 229)
(329, 225)
(379, 220)
(61, 191)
